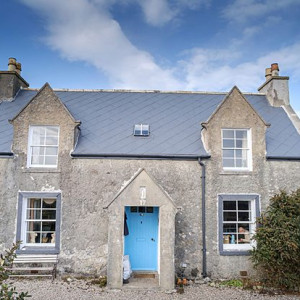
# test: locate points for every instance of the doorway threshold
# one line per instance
(144, 280)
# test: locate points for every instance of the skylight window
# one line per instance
(141, 130)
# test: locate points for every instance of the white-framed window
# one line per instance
(236, 149)
(237, 216)
(39, 222)
(43, 146)
(141, 130)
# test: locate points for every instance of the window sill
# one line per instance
(235, 252)
(237, 172)
(41, 170)
(37, 250)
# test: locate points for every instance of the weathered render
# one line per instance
(102, 167)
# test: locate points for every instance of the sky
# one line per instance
(191, 45)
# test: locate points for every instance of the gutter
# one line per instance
(139, 156)
(204, 271)
(282, 158)
(5, 154)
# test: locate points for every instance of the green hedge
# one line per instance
(277, 254)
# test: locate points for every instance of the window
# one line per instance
(141, 130)
(237, 215)
(43, 146)
(236, 149)
(39, 222)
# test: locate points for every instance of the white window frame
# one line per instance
(25, 220)
(248, 149)
(37, 248)
(139, 128)
(30, 147)
(239, 248)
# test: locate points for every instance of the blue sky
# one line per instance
(203, 45)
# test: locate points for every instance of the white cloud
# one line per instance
(85, 31)
(218, 70)
(157, 12)
(241, 10)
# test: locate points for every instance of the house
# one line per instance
(172, 179)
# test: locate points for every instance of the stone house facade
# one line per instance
(185, 172)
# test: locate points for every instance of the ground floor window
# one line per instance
(39, 222)
(237, 216)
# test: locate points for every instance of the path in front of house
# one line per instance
(42, 289)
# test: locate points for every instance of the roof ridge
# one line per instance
(142, 91)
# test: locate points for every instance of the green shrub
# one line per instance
(7, 290)
(277, 255)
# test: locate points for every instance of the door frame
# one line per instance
(129, 195)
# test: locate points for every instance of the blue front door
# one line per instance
(141, 242)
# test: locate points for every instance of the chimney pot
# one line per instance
(268, 73)
(18, 68)
(12, 64)
(275, 69)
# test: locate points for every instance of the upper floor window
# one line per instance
(236, 149)
(43, 146)
(141, 129)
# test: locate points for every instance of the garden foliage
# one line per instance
(7, 290)
(277, 255)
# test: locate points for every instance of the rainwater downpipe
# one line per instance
(204, 273)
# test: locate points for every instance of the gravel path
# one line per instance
(82, 290)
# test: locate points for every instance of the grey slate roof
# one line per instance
(107, 120)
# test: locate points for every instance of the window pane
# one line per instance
(133, 209)
(244, 205)
(228, 153)
(52, 141)
(141, 209)
(37, 150)
(229, 228)
(241, 144)
(230, 216)
(244, 234)
(51, 150)
(241, 134)
(33, 214)
(228, 143)
(238, 153)
(48, 226)
(49, 214)
(33, 226)
(244, 216)
(244, 163)
(33, 237)
(228, 163)
(34, 203)
(49, 203)
(238, 163)
(50, 160)
(149, 210)
(52, 131)
(228, 133)
(229, 205)
(46, 237)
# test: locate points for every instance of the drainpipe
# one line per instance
(204, 273)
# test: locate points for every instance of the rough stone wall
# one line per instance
(220, 181)
(87, 185)
(10, 83)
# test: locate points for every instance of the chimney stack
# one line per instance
(12, 64)
(275, 69)
(275, 87)
(11, 80)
